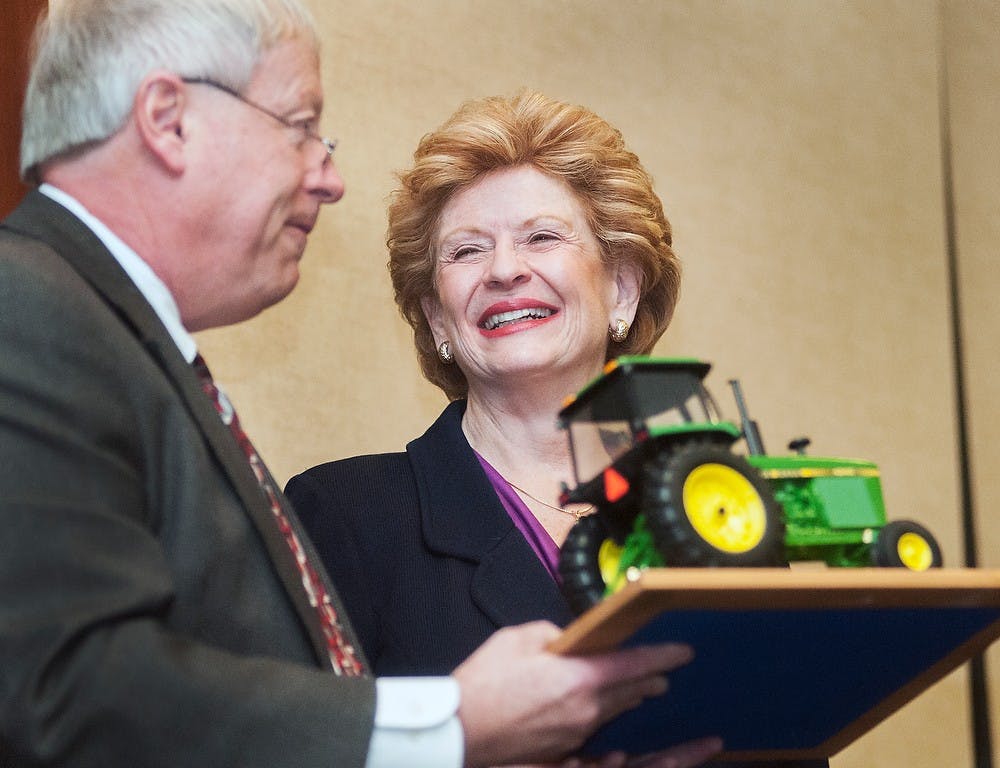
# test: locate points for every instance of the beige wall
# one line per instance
(796, 147)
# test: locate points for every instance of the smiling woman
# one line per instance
(527, 247)
(522, 287)
(565, 143)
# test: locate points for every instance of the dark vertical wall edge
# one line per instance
(978, 691)
(15, 39)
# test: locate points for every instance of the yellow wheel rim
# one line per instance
(609, 558)
(914, 552)
(724, 508)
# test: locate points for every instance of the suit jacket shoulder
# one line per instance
(425, 557)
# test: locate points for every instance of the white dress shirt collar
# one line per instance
(152, 288)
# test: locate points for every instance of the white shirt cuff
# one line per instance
(416, 724)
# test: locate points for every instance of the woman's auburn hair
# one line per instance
(565, 141)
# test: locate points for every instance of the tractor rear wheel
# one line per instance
(583, 579)
(905, 544)
(706, 506)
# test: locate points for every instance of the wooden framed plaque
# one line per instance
(789, 663)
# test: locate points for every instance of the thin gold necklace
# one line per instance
(576, 514)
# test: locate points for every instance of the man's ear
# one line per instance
(158, 112)
(628, 282)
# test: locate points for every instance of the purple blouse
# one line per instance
(526, 523)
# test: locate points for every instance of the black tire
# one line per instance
(582, 582)
(734, 519)
(905, 544)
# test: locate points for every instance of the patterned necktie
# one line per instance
(342, 654)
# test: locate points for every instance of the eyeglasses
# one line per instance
(328, 144)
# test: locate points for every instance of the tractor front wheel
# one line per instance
(905, 544)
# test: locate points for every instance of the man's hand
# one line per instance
(522, 704)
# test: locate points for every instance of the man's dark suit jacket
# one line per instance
(434, 563)
(150, 611)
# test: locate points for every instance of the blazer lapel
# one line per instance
(511, 585)
(44, 219)
(462, 517)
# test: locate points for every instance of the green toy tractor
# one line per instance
(652, 454)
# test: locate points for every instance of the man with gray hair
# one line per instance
(159, 605)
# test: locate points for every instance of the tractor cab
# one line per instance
(636, 399)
